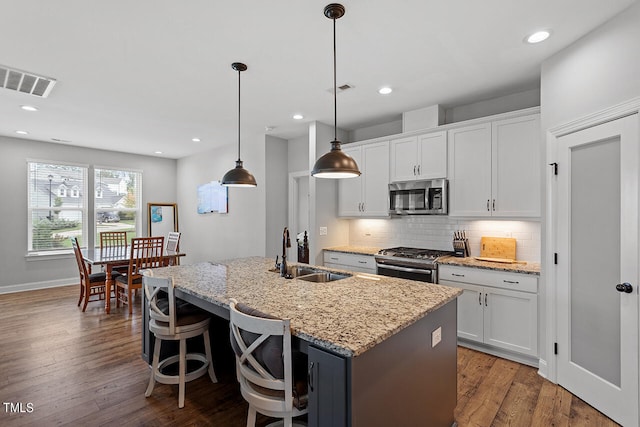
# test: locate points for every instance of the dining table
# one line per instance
(119, 256)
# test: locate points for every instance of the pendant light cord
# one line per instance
(239, 115)
(335, 83)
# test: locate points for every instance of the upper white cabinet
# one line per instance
(419, 157)
(366, 195)
(494, 168)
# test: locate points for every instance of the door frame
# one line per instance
(548, 366)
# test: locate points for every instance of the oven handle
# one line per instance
(405, 269)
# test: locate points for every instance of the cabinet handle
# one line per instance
(511, 281)
(414, 170)
(485, 300)
(419, 170)
(362, 262)
(488, 205)
(334, 259)
(494, 204)
(310, 376)
(457, 275)
(362, 206)
(479, 298)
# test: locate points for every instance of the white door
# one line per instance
(376, 179)
(597, 222)
(350, 190)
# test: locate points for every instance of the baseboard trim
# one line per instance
(9, 289)
(505, 354)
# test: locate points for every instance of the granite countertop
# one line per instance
(359, 250)
(348, 316)
(516, 267)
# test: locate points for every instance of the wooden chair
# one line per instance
(91, 284)
(146, 252)
(114, 243)
(269, 378)
(173, 242)
(173, 319)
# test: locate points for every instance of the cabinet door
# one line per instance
(327, 389)
(470, 311)
(375, 171)
(350, 190)
(403, 164)
(511, 320)
(432, 152)
(516, 167)
(470, 170)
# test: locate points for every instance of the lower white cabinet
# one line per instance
(347, 261)
(497, 310)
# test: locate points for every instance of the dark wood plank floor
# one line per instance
(79, 368)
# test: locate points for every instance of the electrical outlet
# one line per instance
(323, 231)
(436, 336)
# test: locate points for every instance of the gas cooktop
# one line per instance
(410, 256)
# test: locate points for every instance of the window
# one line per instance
(75, 192)
(52, 219)
(118, 197)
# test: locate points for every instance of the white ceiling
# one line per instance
(141, 76)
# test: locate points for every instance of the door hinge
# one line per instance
(555, 167)
(555, 257)
(555, 348)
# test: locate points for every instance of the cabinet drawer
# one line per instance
(497, 279)
(350, 260)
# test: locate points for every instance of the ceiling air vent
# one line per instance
(341, 88)
(25, 82)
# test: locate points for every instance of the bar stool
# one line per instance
(175, 320)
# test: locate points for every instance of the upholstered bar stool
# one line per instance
(175, 320)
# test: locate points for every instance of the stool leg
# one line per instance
(154, 367)
(183, 369)
(207, 351)
(251, 417)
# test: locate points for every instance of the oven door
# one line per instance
(418, 274)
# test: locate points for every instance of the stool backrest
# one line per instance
(262, 345)
(160, 299)
(113, 242)
(146, 252)
(173, 240)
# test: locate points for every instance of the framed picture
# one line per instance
(162, 218)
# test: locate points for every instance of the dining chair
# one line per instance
(272, 380)
(146, 252)
(91, 284)
(173, 242)
(114, 243)
(173, 319)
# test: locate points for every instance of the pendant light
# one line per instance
(336, 163)
(238, 176)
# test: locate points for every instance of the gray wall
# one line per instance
(17, 272)
(239, 233)
(277, 194)
(596, 72)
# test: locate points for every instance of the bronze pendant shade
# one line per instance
(336, 163)
(238, 176)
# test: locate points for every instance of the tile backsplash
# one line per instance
(436, 232)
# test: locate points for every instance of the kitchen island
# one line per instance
(381, 350)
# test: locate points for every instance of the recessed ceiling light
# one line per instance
(538, 36)
(22, 132)
(158, 152)
(385, 90)
(195, 139)
(298, 117)
(28, 108)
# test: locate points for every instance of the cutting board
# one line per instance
(503, 248)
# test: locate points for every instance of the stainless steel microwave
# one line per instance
(426, 197)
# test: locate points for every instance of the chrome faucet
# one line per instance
(286, 243)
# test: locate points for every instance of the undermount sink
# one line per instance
(323, 277)
(310, 274)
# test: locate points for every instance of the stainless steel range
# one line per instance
(410, 263)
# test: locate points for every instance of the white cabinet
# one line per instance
(419, 157)
(352, 262)
(366, 195)
(497, 309)
(494, 168)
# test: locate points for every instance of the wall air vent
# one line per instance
(25, 82)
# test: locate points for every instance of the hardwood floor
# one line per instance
(78, 368)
